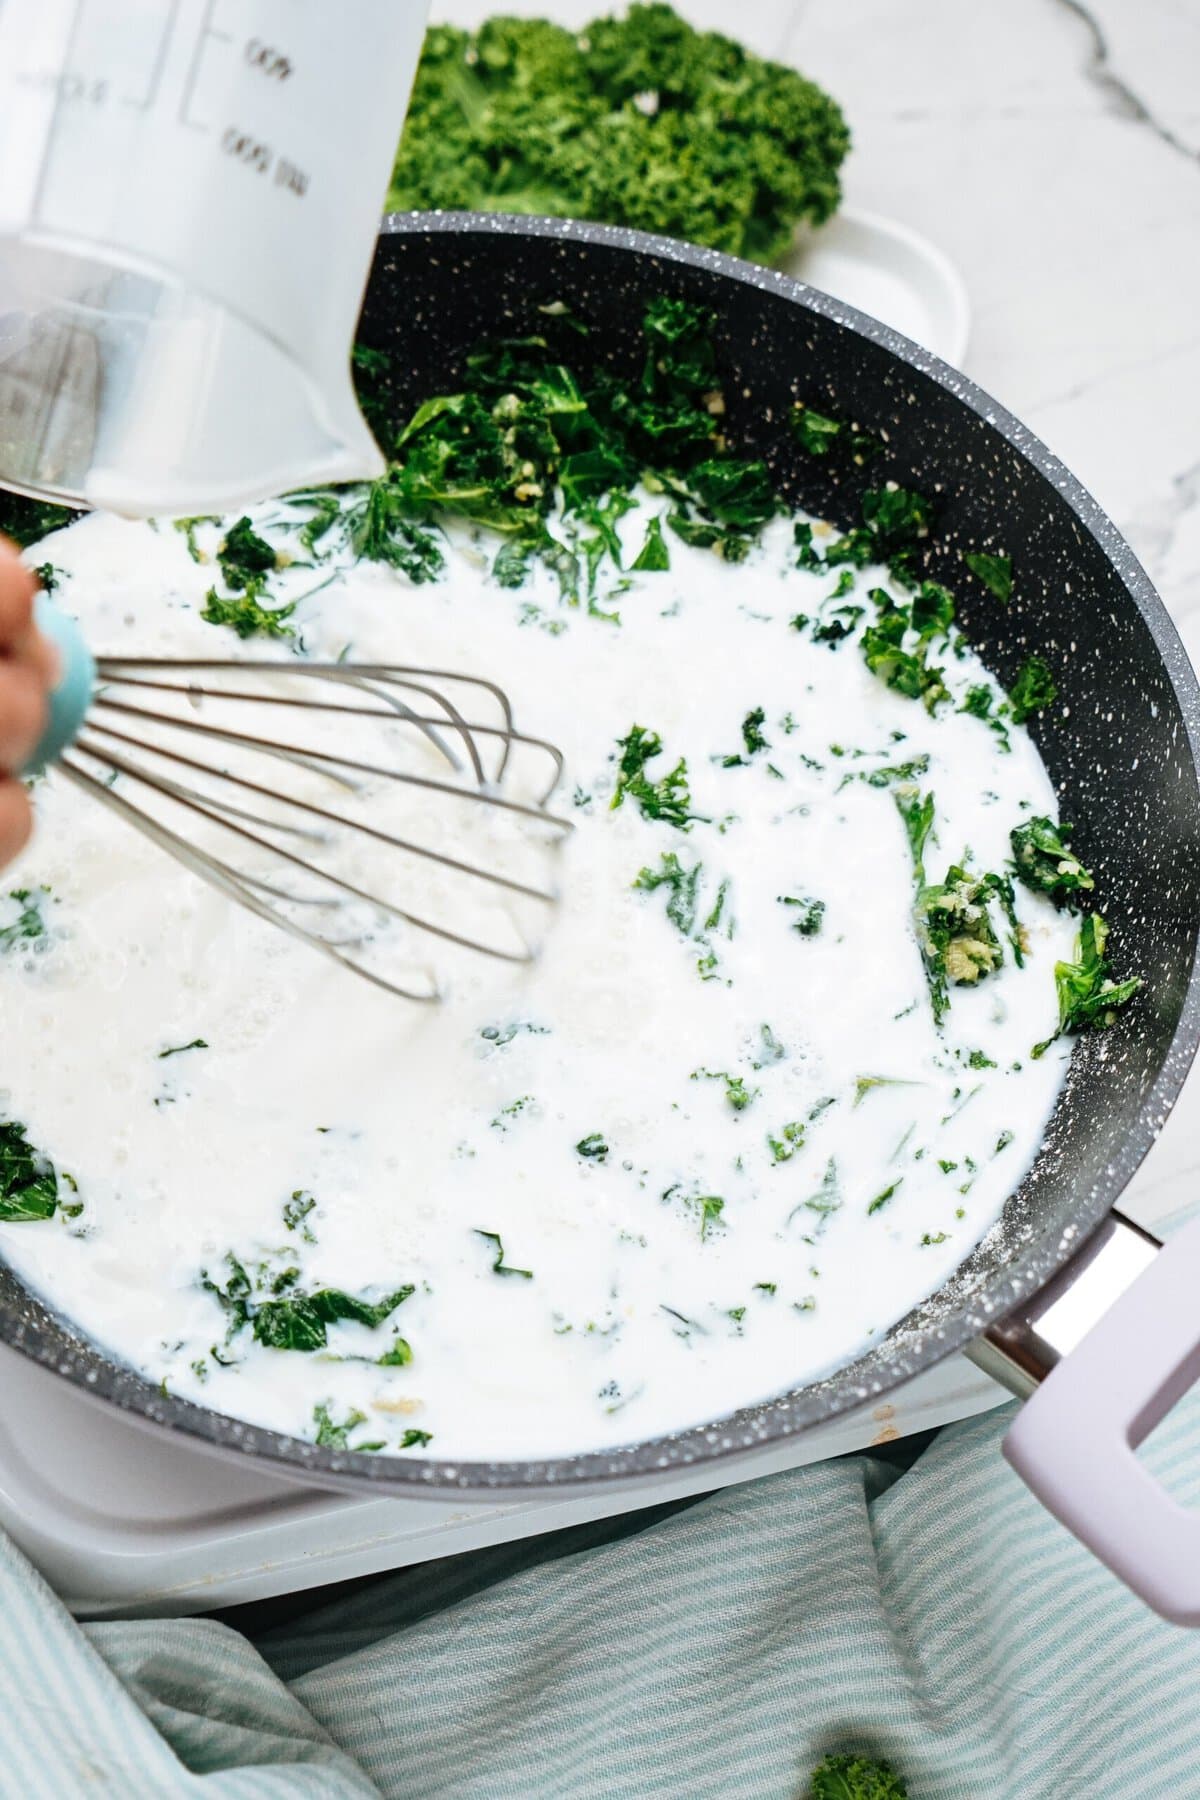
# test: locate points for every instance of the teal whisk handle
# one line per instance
(76, 684)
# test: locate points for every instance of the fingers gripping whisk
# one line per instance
(390, 817)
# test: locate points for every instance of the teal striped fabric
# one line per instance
(931, 1614)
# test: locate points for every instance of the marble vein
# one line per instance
(1120, 98)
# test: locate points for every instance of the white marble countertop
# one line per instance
(1052, 150)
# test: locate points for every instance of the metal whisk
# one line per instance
(294, 818)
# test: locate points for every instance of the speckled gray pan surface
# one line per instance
(1121, 746)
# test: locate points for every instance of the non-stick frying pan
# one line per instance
(1122, 749)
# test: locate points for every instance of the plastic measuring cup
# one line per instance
(189, 198)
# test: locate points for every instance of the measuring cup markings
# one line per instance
(219, 164)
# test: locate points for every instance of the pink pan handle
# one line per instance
(1103, 1354)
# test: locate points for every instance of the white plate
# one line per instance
(892, 273)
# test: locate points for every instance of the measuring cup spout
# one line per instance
(189, 207)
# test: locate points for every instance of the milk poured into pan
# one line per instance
(709, 1147)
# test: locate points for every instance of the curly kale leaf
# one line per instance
(856, 1778)
(639, 120)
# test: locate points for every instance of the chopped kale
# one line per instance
(30, 923)
(881, 1200)
(738, 493)
(806, 553)
(189, 527)
(916, 812)
(955, 932)
(513, 1110)
(244, 557)
(381, 523)
(333, 1434)
(886, 651)
(28, 1180)
(667, 798)
(49, 576)
(326, 509)
(980, 702)
(737, 1093)
(785, 1146)
(770, 1050)
(835, 626)
(710, 1207)
(752, 732)
(414, 1438)
(397, 1356)
(653, 554)
(1088, 997)
(682, 884)
(932, 611)
(866, 1084)
(821, 435)
(178, 1049)
(244, 614)
(27, 521)
(826, 1200)
(499, 1266)
(300, 1322)
(283, 1318)
(594, 1147)
(896, 518)
(886, 776)
(1045, 862)
(995, 572)
(857, 547)
(816, 432)
(1033, 690)
(809, 913)
(295, 1214)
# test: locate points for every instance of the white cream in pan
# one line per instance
(805, 1068)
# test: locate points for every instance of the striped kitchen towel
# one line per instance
(930, 1614)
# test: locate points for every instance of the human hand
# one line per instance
(28, 670)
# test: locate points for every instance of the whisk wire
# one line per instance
(396, 696)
